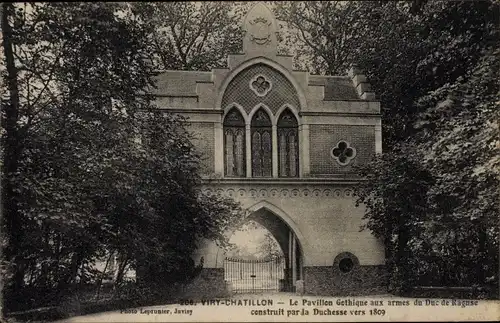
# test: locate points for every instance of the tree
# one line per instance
(269, 247)
(191, 35)
(324, 34)
(11, 147)
(435, 203)
(404, 54)
(93, 167)
(449, 172)
(463, 156)
(426, 62)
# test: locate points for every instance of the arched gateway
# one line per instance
(283, 142)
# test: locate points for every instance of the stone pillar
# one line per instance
(301, 267)
(304, 151)
(219, 149)
(275, 151)
(248, 146)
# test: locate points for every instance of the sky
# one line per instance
(249, 237)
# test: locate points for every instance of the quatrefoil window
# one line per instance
(342, 153)
(260, 85)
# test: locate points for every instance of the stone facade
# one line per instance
(338, 125)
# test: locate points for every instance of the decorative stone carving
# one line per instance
(260, 85)
(343, 153)
(345, 262)
(276, 193)
(260, 31)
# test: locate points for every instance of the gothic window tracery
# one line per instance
(234, 144)
(288, 143)
(343, 153)
(261, 134)
(260, 85)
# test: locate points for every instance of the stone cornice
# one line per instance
(276, 191)
(200, 111)
(304, 181)
(340, 114)
(160, 95)
(280, 188)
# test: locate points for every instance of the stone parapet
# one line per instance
(363, 87)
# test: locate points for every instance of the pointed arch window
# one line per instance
(234, 144)
(288, 144)
(261, 134)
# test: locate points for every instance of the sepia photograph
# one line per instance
(250, 161)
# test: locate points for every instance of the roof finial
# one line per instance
(260, 31)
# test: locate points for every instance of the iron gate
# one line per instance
(254, 276)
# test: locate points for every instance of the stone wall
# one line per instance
(328, 280)
(319, 207)
(204, 141)
(324, 218)
(322, 139)
(325, 137)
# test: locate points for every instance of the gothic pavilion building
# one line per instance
(283, 143)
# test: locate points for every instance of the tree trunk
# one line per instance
(12, 149)
(402, 255)
(121, 269)
(103, 274)
(75, 264)
(68, 281)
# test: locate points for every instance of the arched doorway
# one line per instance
(277, 271)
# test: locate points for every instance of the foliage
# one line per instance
(435, 203)
(403, 54)
(190, 35)
(450, 175)
(323, 33)
(435, 71)
(269, 248)
(262, 244)
(92, 168)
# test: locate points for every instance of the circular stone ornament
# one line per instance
(343, 153)
(260, 85)
(345, 263)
